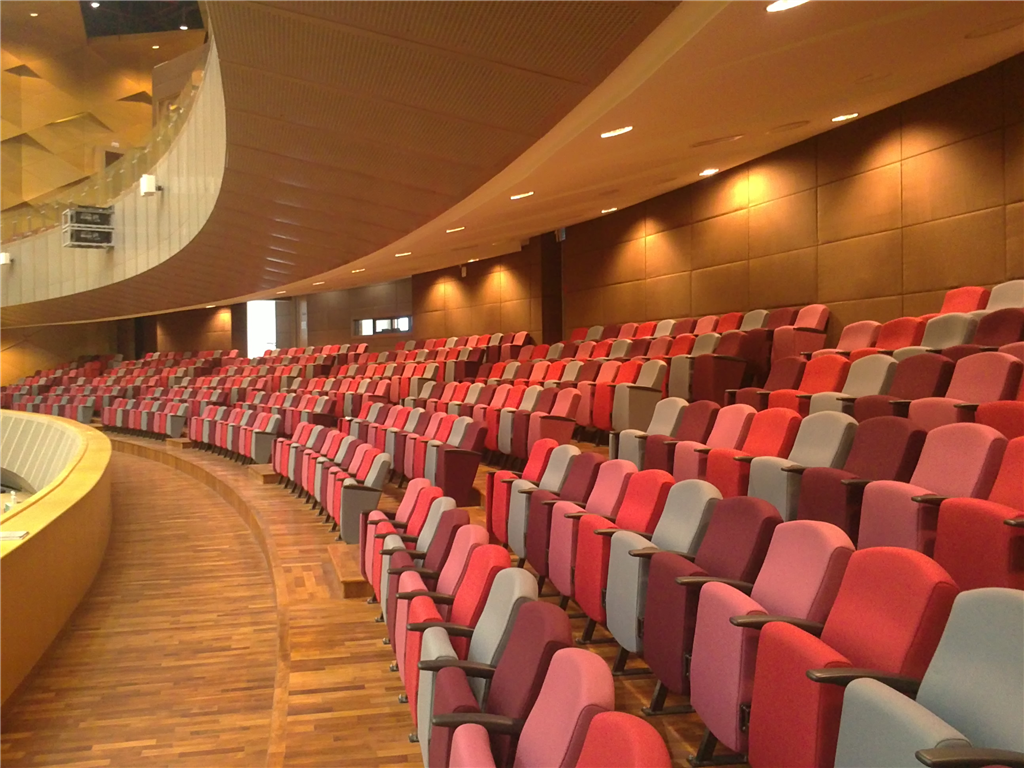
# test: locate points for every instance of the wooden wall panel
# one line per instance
(23, 351)
(194, 330)
(876, 218)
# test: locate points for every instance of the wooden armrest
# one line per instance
(699, 581)
(855, 482)
(843, 676)
(414, 553)
(456, 630)
(758, 621)
(607, 531)
(437, 597)
(528, 491)
(429, 573)
(550, 502)
(743, 459)
(436, 665)
(493, 723)
(932, 499)
(967, 406)
(969, 757)
(795, 469)
(574, 515)
(705, 450)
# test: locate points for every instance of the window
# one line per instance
(377, 325)
(260, 327)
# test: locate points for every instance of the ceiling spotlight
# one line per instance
(457, 229)
(784, 5)
(708, 172)
(210, 306)
(520, 197)
(358, 270)
(183, 27)
(155, 47)
(608, 210)
(280, 292)
(33, 14)
(616, 132)
(321, 282)
(399, 255)
(844, 118)
(95, 5)
(472, 260)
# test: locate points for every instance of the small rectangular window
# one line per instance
(382, 326)
(366, 327)
(403, 324)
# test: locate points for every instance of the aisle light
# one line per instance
(320, 282)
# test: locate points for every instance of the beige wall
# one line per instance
(502, 294)
(23, 351)
(877, 219)
(193, 330)
(329, 315)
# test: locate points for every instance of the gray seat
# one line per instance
(557, 469)
(629, 444)
(512, 587)
(555, 351)
(871, 375)
(394, 541)
(506, 417)
(1006, 295)
(681, 366)
(594, 333)
(824, 440)
(455, 436)
(972, 694)
(569, 375)
(942, 331)
(687, 513)
(664, 328)
(633, 404)
(755, 318)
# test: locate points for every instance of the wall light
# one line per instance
(616, 132)
(400, 255)
(708, 172)
(148, 186)
(784, 5)
(608, 210)
(321, 282)
(521, 196)
(354, 271)
(844, 118)
(155, 47)
(457, 229)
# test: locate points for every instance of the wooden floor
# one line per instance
(217, 635)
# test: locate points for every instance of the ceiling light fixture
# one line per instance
(472, 260)
(95, 5)
(155, 47)
(616, 132)
(183, 27)
(358, 270)
(784, 5)
(210, 306)
(608, 210)
(457, 229)
(33, 14)
(280, 292)
(320, 282)
(520, 197)
(708, 172)
(844, 118)
(399, 255)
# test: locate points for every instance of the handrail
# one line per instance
(106, 186)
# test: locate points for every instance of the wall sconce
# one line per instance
(148, 186)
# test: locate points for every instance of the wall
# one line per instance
(193, 330)
(876, 218)
(500, 294)
(329, 315)
(23, 351)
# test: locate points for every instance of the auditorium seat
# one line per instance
(944, 330)
(729, 431)
(857, 335)
(893, 335)
(804, 336)
(822, 374)
(630, 444)
(995, 329)
(871, 375)
(981, 378)
(771, 433)
(916, 377)
(499, 484)
(520, 490)
(1008, 294)
(785, 374)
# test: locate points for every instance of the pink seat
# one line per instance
(804, 336)
(558, 424)
(500, 482)
(800, 577)
(926, 375)
(794, 721)
(730, 430)
(854, 336)
(619, 740)
(826, 373)
(369, 559)
(772, 433)
(981, 378)
(957, 460)
(895, 334)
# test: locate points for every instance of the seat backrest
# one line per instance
(1008, 294)
(755, 318)
(901, 332)
(803, 569)
(731, 426)
(620, 740)
(558, 467)
(975, 681)
(737, 538)
(666, 416)
(960, 460)
(566, 402)
(812, 316)
(571, 370)
(948, 329)
(871, 375)
(826, 373)
(730, 321)
(467, 539)
(900, 632)
(1008, 489)
(579, 482)
(646, 330)
(608, 371)
(965, 299)
(620, 348)
(705, 343)
(1004, 326)
(594, 333)
(885, 448)
(644, 500)
(577, 687)
(538, 459)
(664, 328)
(660, 346)
(484, 564)
(530, 398)
(858, 335)
(458, 429)
(786, 373)
(442, 538)
(920, 376)
(772, 432)
(823, 440)
(688, 510)
(985, 377)
(511, 590)
(697, 421)
(705, 324)
(610, 487)
(652, 374)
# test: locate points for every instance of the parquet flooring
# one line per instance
(326, 694)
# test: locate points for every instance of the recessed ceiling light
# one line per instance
(719, 140)
(708, 172)
(155, 47)
(399, 255)
(183, 27)
(784, 5)
(95, 5)
(472, 260)
(616, 132)
(457, 229)
(280, 292)
(608, 210)
(358, 270)
(520, 196)
(320, 282)
(844, 118)
(210, 306)
(33, 14)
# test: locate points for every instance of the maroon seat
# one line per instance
(926, 375)
(1004, 326)
(785, 374)
(695, 425)
(730, 366)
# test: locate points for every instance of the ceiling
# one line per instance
(360, 130)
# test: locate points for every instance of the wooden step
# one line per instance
(264, 474)
(178, 443)
(346, 564)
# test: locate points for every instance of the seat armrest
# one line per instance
(400, 524)
(796, 469)
(855, 482)
(807, 330)
(428, 572)
(574, 515)
(846, 398)
(493, 723)
(550, 502)
(457, 630)
(552, 417)
(437, 597)
(414, 553)
(704, 450)
(436, 665)
(894, 403)
(803, 396)
(607, 531)
(972, 407)
(758, 621)
(698, 581)
(932, 499)
(644, 389)
(672, 441)
(649, 552)
(509, 480)
(528, 491)
(390, 514)
(969, 757)
(843, 676)
(1014, 522)
(743, 459)
(460, 451)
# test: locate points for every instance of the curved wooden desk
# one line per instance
(44, 575)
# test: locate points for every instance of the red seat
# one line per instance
(772, 433)
(826, 373)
